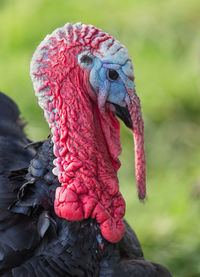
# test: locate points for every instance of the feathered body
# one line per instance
(60, 207)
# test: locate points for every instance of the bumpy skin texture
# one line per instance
(77, 102)
(34, 241)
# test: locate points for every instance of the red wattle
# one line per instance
(112, 230)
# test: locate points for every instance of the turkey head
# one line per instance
(83, 78)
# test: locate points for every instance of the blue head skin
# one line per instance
(111, 77)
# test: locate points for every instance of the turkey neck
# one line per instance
(83, 152)
(86, 146)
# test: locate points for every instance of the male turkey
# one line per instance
(61, 212)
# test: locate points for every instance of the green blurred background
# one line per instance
(163, 38)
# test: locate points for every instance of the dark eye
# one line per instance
(113, 75)
(86, 59)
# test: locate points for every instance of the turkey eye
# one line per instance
(86, 59)
(113, 75)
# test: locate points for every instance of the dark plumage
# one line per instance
(34, 241)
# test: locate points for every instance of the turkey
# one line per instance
(61, 212)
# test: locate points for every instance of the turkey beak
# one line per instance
(124, 115)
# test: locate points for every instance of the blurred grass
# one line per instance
(163, 38)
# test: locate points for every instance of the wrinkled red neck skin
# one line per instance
(86, 144)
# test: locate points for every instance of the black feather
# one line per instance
(10, 124)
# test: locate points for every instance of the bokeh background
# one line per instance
(163, 38)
